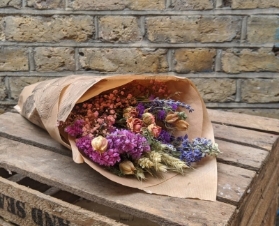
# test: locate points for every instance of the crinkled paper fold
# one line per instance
(48, 102)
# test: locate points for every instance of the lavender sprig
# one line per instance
(171, 103)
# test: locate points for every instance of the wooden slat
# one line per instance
(270, 215)
(14, 126)
(244, 136)
(43, 140)
(61, 172)
(115, 214)
(233, 183)
(267, 195)
(241, 156)
(5, 223)
(24, 206)
(258, 189)
(245, 121)
(16, 177)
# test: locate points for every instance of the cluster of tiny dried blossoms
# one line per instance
(129, 130)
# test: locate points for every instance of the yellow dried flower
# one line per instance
(148, 118)
(145, 163)
(127, 167)
(99, 144)
(181, 125)
(155, 157)
(160, 167)
(173, 162)
(171, 118)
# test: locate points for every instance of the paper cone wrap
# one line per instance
(49, 102)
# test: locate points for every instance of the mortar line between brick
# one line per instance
(244, 29)
(66, 4)
(7, 85)
(238, 90)
(142, 26)
(96, 27)
(170, 59)
(241, 105)
(23, 4)
(218, 4)
(69, 11)
(31, 59)
(247, 75)
(218, 64)
(143, 44)
(168, 3)
(77, 59)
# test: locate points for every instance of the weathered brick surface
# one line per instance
(263, 29)
(260, 90)
(54, 59)
(194, 60)
(18, 83)
(247, 60)
(13, 59)
(191, 4)
(117, 4)
(46, 4)
(270, 113)
(11, 3)
(179, 29)
(252, 4)
(216, 90)
(119, 29)
(49, 29)
(3, 91)
(124, 60)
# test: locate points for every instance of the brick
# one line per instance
(270, 113)
(119, 29)
(260, 90)
(216, 90)
(11, 3)
(18, 83)
(194, 60)
(252, 4)
(124, 60)
(54, 59)
(13, 59)
(49, 29)
(3, 90)
(117, 5)
(46, 4)
(263, 29)
(247, 60)
(181, 29)
(191, 4)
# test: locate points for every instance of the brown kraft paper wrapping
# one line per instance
(48, 102)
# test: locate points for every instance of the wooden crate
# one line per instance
(41, 185)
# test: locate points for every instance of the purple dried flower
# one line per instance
(127, 142)
(161, 115)
(164, 137)
(75, 129)
(191, 156)
(140, 108)
(108, 158)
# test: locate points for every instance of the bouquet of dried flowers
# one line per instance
(131, 130)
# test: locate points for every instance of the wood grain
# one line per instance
(244, 136)
(257, 189)
(244, 121)
(32, 201)
(61, 172)
(241, 156)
